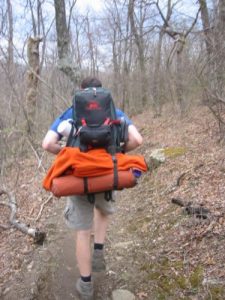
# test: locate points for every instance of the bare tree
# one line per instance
(10, 36)
(206, 27)
(157, 83)
(32, 81)
(66, 63)
(214, 91)
(179, 37)
(128, 53)
(115, 36)
(78, 25)
(91, 46)
(137, 31)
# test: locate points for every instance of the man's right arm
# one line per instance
(134, 138)
(51, 142)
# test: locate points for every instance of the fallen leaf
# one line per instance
(142, 295)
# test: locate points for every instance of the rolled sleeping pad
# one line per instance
(71, 185)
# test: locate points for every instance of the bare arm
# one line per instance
(134, 138)
(51, 142)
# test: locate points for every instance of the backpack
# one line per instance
(95, 125)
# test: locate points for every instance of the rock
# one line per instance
(158, 155)
(122, 295)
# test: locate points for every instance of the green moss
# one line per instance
(174, 151)
(181, 282)
(196, 277)
(217, 292)
(155, 275)
(167, 285)
(161, 297)
(168, 282)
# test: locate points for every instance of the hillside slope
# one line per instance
(154, 249)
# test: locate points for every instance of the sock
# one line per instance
(86, 278)
(98, 246)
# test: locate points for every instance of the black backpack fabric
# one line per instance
(95, 124)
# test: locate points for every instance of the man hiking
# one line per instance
(82, 215)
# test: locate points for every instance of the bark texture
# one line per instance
(32, 81)
(65, 62)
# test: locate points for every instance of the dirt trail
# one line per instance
(153, 249)
(52, 271)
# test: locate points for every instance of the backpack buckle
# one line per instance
(95, 91)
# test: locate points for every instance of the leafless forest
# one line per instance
(164, 56)
(149, 53)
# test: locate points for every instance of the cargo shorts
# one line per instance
(79, 212)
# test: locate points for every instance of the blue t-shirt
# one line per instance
(68, 114)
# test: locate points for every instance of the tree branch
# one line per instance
(35, 233)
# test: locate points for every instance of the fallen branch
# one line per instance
(198, 211)
(37, 235)
(180, 179)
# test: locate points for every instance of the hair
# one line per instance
(90, 82)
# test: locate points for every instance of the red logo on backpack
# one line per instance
(93, 105)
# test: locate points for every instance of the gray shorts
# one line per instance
(79, 212)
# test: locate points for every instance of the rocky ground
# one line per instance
(155, 248)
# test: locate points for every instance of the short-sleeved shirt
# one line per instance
(68, 114)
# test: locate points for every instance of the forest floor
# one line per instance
(155, 249)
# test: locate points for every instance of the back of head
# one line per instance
(90, 82)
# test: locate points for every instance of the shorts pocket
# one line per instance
(67, 212)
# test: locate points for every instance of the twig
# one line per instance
(39, 159)
(42, 207)
(180, 178)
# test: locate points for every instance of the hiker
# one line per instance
(81, 214)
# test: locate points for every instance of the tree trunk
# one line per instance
(156, 81)
(91, 48)
(32, 81)
(220, 64)
(10, 37)
(138, 38)
(65, 62)
(206, 27)
(179, 75)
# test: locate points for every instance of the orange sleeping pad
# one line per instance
(94, 163)
(71, 185)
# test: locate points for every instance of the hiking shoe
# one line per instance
(85, 289)
(98, 261)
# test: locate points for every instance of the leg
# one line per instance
(83, 252)
(79, 216)
(103, 210)
(101, 222)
